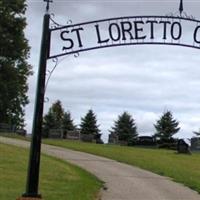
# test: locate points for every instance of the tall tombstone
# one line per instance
(183, 147)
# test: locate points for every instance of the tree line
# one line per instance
(124, 127)
(57, 118)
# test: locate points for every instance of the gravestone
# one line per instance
(55, 133)
(6, 128)
(146, 141)
(87, 137)
(195, 144)
(73, 135)
(183, 147)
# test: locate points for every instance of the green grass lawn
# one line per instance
(59, 180)
(181, 168)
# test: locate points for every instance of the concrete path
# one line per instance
(122, 182)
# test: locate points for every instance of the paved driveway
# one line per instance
(122, 182)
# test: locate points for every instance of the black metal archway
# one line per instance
(121, 31)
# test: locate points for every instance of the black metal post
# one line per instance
(34, 159)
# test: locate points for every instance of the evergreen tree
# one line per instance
(58, 113)
(14, 69)
(89, 124)
(125, 128)
(197, 133)
(166, 127)
(48, 123)
(67, 123)
(54, 118)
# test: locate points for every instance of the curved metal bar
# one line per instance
(128, 17)
(50, 72)
(126, 44)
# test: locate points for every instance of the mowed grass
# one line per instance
(59, 179)
(181, 168)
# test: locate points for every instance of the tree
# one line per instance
(67, 123)
(166, 127)
(125, 128)
(14, 69)
(197, 133)
(54, 118)
(48, 123)
(58, 113)
(89, 124)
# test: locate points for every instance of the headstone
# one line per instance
(98, 139)
(183, 147)
(87, 137)
(123, 143)
(146, 141)
(56, 133)
(73, 135)
(6, 128)
(195, 144)
(21, 132)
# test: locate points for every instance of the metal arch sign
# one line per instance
(131, 30)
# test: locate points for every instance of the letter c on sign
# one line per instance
(195, 34)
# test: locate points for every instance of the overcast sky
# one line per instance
(143, 80)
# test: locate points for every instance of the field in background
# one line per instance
(59, 180)
(181, 168)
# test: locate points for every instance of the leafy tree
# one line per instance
(54, 118)
(125, 128)
(67, 123)
(166, 127)
(89, 124)
(14, 69)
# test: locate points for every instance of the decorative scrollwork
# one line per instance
(185, 15)
(54, 24)
(69, 22)
(46, 100)
(49, 73)
(76, 55)
(182, 15)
